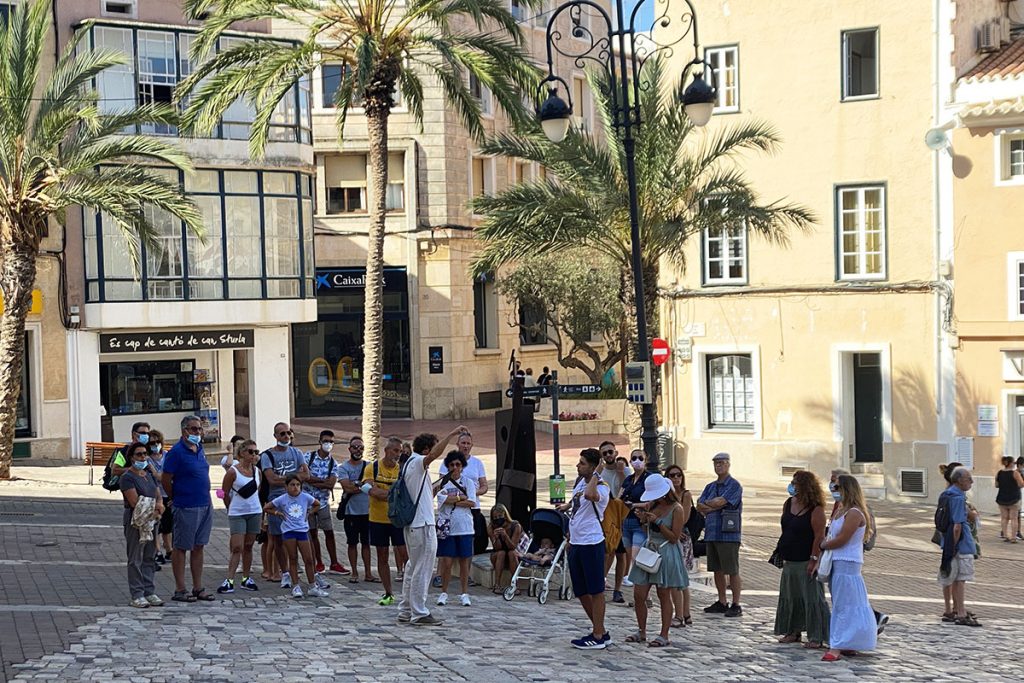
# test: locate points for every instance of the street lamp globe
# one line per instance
(554, 116)
(699, 101)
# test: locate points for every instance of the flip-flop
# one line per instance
(201, 594)
(658, 641)
(372, 579)
(637, 637)
(829, 657)
(183, 596)
(677, 623)
(354, 579)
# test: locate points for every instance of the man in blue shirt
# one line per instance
(186, 481)
(961, 568)
(275, 465)
(721, 503)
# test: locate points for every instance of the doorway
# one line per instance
(867, 406)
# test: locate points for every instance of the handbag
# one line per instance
(776, 558)
(731, 521)
(249, 489)
(824, 566)
(649, 559)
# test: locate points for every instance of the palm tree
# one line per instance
(58, 151)
(386, 45)
(684, 185)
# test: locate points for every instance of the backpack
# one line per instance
(611, 524)
(111, 481)
(264, 484)
(401, 507)
(330, 467)
(346, 497)
(942, 513)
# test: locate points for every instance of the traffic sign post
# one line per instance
(659, 351)
(556, 482)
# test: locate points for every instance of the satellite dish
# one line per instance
(936, 139)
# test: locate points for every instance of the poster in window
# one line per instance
(728, 414)
(749, 415)
(727, 383)
(718, 413)
(717, 384)
(748, 383)
(750, 398)
(728, 400)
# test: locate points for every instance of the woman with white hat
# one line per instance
(664, 519)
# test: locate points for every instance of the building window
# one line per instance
(1015, 282)
(481, 93)
(533, 323)
(485, 312)
(165, 386)
(581, 105)
(345, 176)
(1017, 157)
(520, 172)
(725, 255)
(395, 198)
(259, 243)
(860, 63)
(726, 63)
(860, 232)
(161, 61)
(24, 421)
(1009, 155)
(122, 9)
(330, 81)
(481, 176)
(6, 9)
(542, 13)
(730, 391)
(518, 8)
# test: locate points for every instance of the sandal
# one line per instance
(848, 653)
(183, 596)
(969, 620)
(677, 623)
(201, 594)
(637, 637)
(687, 620)
(829, 657)
(789, 638)
(812, 645)
(371, 579)
(658, 641)
(354, 579)
(949, 616)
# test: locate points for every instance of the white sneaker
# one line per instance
(286, 580)
(297, 592)
(320, 582)
(442, 599)
(318, 592)
(464, 599)
(626, 582)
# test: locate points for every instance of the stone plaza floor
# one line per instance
(64, 616)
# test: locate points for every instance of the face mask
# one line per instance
(143, 438)
(499, 520)
(837, 495)
(327, 447)
(194, 439)
(358, 455)
(638, 463)
(791, 490)
(284, 444)
(140, 465)
(155, 447)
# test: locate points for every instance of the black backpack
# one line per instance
(264, 491)
(111, 481)
(943, 513)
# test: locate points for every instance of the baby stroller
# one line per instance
(553, 525)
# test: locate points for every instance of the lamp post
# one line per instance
(621, 53)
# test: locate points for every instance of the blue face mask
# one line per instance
(837, 495)
(194, 439)
(791, 489)
(140, 465)
(143, 438)
(284, 444)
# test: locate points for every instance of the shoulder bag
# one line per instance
(346, 497)
(649, 558)
(824, 572)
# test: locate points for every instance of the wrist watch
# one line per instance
(814, 557)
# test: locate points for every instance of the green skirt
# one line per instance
(802, 605)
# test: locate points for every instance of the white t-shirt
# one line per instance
(474, 470)
(415, 482)
(584, 525)
(462, 518)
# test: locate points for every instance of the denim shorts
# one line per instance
(295, 536)
(633, 535)
(191, 527)
(455, 546)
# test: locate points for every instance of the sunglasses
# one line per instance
(288, 433)
(357, 448)
(252, 451)
(676, 475)
(607, 452)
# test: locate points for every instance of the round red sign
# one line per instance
(659, 350)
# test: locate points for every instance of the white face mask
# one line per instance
(327, 447)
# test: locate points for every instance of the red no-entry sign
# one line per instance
(659, 350)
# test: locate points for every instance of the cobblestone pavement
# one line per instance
(63, 616)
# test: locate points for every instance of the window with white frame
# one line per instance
(1015, 285)
(157, 74)
(481, 92)
(860, 232)
(731, 402)
(395, 199)
(485, 312)
(542, 13)
(860, 63)
(581, 109)
(345, 177)
(725, 255)
(726, 63)
(1016, 157)
(481, 179)
(1009, 154)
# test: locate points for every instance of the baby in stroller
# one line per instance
(544, 555)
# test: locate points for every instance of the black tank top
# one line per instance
(797, 535)
(1009, 492)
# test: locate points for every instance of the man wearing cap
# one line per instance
(721, 503)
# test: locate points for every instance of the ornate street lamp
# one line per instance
(621, 52)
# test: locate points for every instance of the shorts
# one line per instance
(274, 525)
(322, 519)
(455, 546)
(633, 535)
(961, 568)
(245, 524)
(167, 520)
(586, 569)
(295, 536)
(191, 527)
(724, 557)
(382, 535)
(357, 530)
(620, 549)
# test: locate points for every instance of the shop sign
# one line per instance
(436, 354)
(176, 341)
(345, 280)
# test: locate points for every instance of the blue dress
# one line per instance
(672, 572)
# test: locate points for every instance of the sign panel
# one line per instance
(659, 350)
(348, 280)
(131, 342)
(436, 360)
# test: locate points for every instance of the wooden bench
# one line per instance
(98, 454)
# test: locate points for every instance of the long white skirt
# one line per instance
(852, 626)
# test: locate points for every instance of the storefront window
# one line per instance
(23, 416)
(148, 387)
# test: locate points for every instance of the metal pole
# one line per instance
(648, 418)
(556, 483)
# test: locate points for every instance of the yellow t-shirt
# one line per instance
(386, 476)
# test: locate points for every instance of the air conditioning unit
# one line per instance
(987, 37)
(119, 8)
(787, 470)
(913, 481)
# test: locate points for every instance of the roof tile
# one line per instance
(1009, 61)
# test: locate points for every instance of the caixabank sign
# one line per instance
(345, 280)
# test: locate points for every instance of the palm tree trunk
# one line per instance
(17, 277)
(373, 311)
